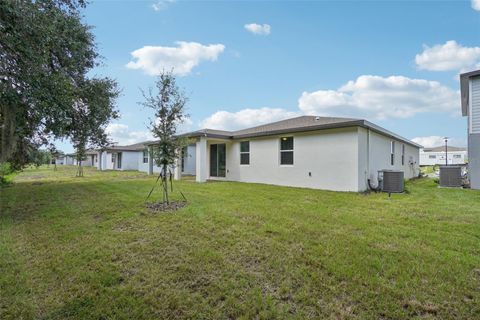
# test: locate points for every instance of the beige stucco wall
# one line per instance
(325, 159)
(378, 157)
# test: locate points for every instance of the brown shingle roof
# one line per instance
(298, 124)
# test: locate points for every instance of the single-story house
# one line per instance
(130, 157)
(338, 154)
(59, 160)
(436, 156)
(70, 159)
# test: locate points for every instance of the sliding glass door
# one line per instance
(218, 159)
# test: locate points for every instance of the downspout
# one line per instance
(369, 182)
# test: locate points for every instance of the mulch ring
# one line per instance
(157, 207)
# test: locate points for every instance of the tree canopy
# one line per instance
(46, 53)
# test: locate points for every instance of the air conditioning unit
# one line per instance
(451, 176)
(391, 181)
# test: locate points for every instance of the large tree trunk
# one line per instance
(8, 137)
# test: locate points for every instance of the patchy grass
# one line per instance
(88, 248)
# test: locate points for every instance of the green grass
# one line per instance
(87, 248)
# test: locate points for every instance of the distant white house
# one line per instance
(315, 152)
(138, 157)
(437, 156)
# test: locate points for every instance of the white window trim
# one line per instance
(244, 152)
(143, 156)
(403, 154)
(392, 152)
(290, 150)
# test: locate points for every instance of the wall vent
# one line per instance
(451, 176)
(391, 181)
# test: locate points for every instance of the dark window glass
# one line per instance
(184, 154)
(286, 157)
(286, 150)
(245, 158)
(145, 156)
(392, 153)
(245, 152)
(119, 160)
(245, 146)
(213, 160)
(222, 160)
(218, 160)
(286, 143)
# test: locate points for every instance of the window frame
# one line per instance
(183, 155)
(244, 152)
(392, 152)
(432, 156)
(143, 156)
(281, 151)
(403, 154)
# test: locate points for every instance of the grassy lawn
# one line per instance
(87, 248)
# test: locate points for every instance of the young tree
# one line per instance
(46, 53)
(169, 107)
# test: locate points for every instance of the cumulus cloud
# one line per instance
(436, 141)
(120, 134)
(380, 98)
(449, 56)
(225, 120)
(260, 29)
(182, 59)
(162, 4)
(476, 5)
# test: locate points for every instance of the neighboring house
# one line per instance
(70, 159)
(131, 157)
(315, 152)
(436, 156)
(59, 160)
(470, 96)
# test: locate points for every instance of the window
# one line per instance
(245, 152)
(286, 150)
(183, 155)
(114, 155)
(145, 156)
(457, 156)
(392, 153)
(403, 154)
(432, 156)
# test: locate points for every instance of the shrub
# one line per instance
(5, 171)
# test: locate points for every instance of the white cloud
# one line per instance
(120, 134)
(261, 29)
(436, 141)
(224, 120)
(380, 98)
(476, 5)
(449, 56)
(182, 59)
(162, 4)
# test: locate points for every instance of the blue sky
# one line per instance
(245, 63)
